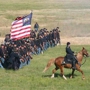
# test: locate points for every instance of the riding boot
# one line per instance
(75, 59)
(73, 64)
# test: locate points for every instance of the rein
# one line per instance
(84, 61)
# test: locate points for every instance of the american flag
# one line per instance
(21, 27)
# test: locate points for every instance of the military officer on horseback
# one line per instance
(70, 55)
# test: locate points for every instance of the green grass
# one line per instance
(71, 16)
(31, 77)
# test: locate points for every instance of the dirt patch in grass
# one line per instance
(76, 40)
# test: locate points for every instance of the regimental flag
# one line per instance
(21, 27)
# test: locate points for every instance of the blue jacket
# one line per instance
(69, 51)
(1, 53)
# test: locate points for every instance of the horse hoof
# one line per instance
(52, 76)
(83, 78)
(71, 77)
(64, 77)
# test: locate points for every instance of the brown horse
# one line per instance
(58, 63)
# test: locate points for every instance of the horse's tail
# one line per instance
(50, 63)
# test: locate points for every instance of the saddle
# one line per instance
(68, 59)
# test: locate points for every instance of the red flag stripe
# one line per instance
(20, 28)
(20, 33)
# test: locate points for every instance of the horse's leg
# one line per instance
(83, 77)
(61, 69)
(73, 70)
(53, 72)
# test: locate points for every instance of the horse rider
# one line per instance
(70, 54)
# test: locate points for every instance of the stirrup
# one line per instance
(63, 63)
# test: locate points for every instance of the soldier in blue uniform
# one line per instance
(70, 54)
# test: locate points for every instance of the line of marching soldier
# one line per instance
(16, 54)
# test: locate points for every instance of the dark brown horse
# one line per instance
(58, 63)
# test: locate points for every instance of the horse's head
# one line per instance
(84, 52)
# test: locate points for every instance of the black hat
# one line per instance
(68, 43)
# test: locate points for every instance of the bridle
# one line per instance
(84, 60)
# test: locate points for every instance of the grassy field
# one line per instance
(31, 77)
(72, 16)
